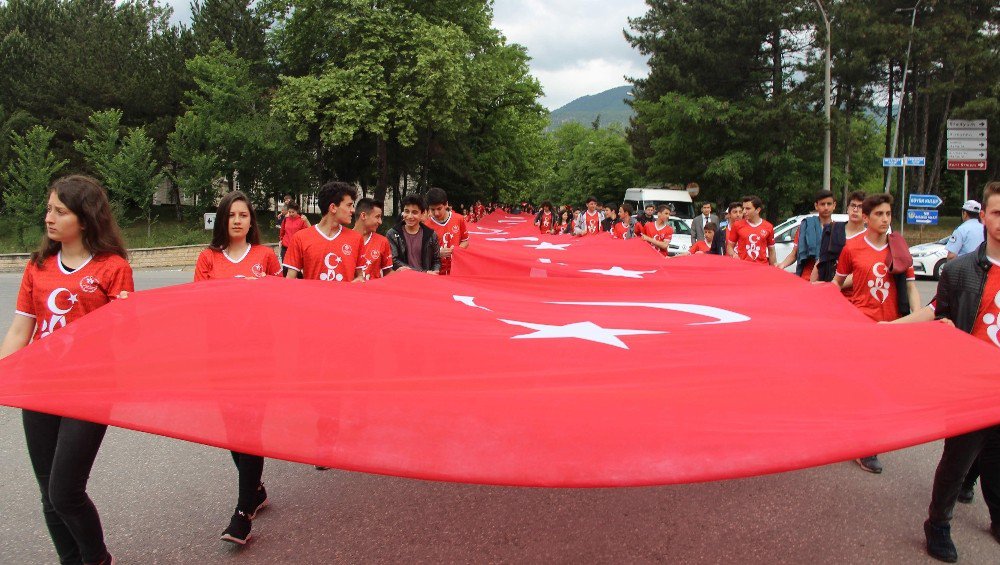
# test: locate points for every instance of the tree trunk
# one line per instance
(886, 171)
(777, 76)
(925, 127)
(939, 146)
(424, 185)
(383, 170)
(847, 147)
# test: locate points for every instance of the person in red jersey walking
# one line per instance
(376, 256)
(659, 232)
(80, 267)
(330, 250)
(752, 239)
(546, 219)
(236, 252)
(589, 222)
(449, 226)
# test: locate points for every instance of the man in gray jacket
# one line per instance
(698, 224)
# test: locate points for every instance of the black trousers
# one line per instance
(960, 452)
(251, 469)
(62, 452)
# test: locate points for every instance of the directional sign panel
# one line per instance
(966, 134)
(925, 201)
(967, 144)
(892, 161)
(922, 217)
(960, 155)
(916, 161)
(954, 165)
(966, 124)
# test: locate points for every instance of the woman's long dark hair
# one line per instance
(220, 233)
(88, 199)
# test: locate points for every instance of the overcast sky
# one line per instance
(577, 46)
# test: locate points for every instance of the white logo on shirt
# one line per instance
(331, 274)
(993, 323)
(58, 318)
(879, 288)
(753, 249)
(89, 284)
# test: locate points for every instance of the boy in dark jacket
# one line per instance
(414, 245)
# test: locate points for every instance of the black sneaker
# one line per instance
(320, 468)
(939, 544)
(238, 531)
(966, 495)
(262, 501)
(870, 464)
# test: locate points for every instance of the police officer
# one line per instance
(969, 235)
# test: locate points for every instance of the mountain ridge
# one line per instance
(609, 105)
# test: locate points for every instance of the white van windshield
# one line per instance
(681, 209)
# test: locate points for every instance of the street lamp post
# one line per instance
(902, 91)
(826, 101)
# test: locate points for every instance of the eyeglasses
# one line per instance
(854, 207)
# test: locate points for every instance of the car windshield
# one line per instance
(680, 226)
(681, 209)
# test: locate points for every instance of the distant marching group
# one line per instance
(82, 265)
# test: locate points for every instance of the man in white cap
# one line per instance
(968, 236)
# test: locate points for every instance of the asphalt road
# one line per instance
(166, 501)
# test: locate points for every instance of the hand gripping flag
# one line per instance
(516, 381)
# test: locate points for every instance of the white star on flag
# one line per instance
(553, 246)
(618, 272)
(587, 331)
(469, 301)
(511, 239)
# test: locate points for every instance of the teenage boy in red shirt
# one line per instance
(867, 261)
(659, 232)
(705, 245)
(589, 222)
(329, 251)
(752, 239)
(376, 257)
(449, 226)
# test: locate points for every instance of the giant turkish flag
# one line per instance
(517, 381)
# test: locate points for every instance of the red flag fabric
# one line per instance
(517, 381)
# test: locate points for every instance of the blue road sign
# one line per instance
(904, 161)
(922, 217)
(925, 201)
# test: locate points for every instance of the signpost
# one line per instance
(922, 217)
(904, 162)
(210, 221)
(967, 144)
(925, 201)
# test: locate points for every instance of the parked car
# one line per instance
(929, 258)
(681, 241)
(784, 236)
(679, 200)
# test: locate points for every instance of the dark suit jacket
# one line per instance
(719, 242)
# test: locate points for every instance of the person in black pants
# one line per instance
(80, 267)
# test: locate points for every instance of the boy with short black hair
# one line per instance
(376, 256)
(624, 227)
(330, 251)
(412, 244)
(589, 222)
(752, 239)
(449, 226)
(659, 232)
(705, 245)
(810, 234)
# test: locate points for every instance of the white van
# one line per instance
(680, 200)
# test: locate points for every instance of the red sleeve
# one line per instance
(293, 256)
(25, 304)
(911, 275)
(770, 236)
(796, 236)
(386, 256)
(272, 266)
(463, 232)
(203, 267)
(732, 234)
(121, 278)
(845, 264)
(670, 234)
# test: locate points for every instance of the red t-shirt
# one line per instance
(752, 241)
(874, 290)
(55, 297)
(289, 227)
(376, 257)
(987, 323)
(700, 247)
(592, 223)
(665, 233)
(318, 257)
(619, 229)
(257, 262)
(545, 223)
(451, 234)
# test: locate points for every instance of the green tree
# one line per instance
(135, 175)
(101, 144)
(26, 180)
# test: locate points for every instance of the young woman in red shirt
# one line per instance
(80, 267)
(236, 252)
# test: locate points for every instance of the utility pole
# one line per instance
(902, 91)
(826, 101)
